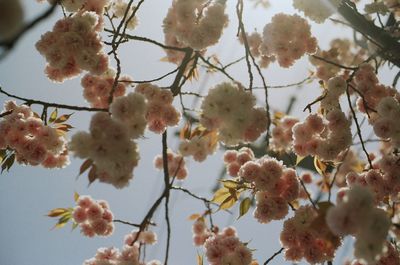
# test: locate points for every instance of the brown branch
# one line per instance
(389, 46)
(273, 256)
(334, 63)
(130, 224)
(50, 104)
(358, 127)
(175, 87)
(242, 32)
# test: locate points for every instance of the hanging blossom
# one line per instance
(96, 6)
(97, 88)
(390, 257)
(254, 40)
(287, 38)
(231, 110)
(93, 217)
(317, 10)
(275, 185)
(119, 8)
(200, 232)
(341, 51)
(109, 143)
(307, 236)
(129, 255)
(176, 165)
(356, 215)
(33, 142)
(160, 110)
(282, 135)
(72, 46)
(226, 248)
(193, 23)
(198, 143)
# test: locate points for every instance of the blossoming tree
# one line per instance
(328, 174)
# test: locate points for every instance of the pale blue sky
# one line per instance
(27, 193)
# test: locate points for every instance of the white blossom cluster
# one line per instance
(160, 111)
(317, 10)
(119, 8)
(355, 214)
(199, 146)
(33, 142)
(232, 111)
(96, 6)
(72, 46)
(282, 135)
(129, 255)
(193, 23)
(226, 248)
(287, 38)
(335, 87)
(386, 125)
(109, 143)
(326, 140)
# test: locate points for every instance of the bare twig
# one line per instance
(273, 256)
(50, 104)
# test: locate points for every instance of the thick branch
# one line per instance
(389, 46)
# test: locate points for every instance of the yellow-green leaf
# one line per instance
(53, 115)
(63, 118)
(200, 260)
(320, 166)
(228, 203)
(63, 220)
(220, 195)
(194, 216)
(57, 212)
(299, 159)
(244, 207)
(229, 184)
(76, 196)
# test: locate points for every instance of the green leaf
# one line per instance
(76, 196)
(244, 206)
(53, 115)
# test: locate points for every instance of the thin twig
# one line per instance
(50, 104)
(273, 256)
(358, 127)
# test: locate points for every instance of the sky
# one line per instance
(28, 193)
